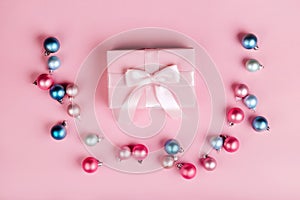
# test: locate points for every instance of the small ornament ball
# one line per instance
(168, 161)
(57, 92)
(44, 81)
(73, 110)
(235, 115)
(72, 90)
(231, 144)
(250, 101)
(217, 143)
(90, 164)
(51, 45)
(53, 63)
(139, 152)
(124, 153)
(260, 123)
(253, 65)
(208, 163)
(241, 90)
(92, 139)
(59, 132)
(249, 41)
(172, 147)
(187, 170)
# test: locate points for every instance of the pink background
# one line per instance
(35, 167)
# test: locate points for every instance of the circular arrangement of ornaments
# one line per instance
(140, 96)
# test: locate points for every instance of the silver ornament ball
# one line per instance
(92, 139)
(124, 153)
(72, 90)
(168, 161)
(73, 110)
(253, 65)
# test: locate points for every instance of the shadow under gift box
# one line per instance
(151, 61)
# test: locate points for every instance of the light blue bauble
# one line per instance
(217, 143)
(53, 63)
(250, 101)
(172, 147)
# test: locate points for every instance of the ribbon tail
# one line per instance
(168, 102)
(128, 109)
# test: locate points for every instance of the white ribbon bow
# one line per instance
(141, 78)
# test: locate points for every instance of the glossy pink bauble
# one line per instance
(231, 144)
(208, 163)
(235, 115)
(139, 152)
(44, 81)
(188, 170)
(241, 90)
(90, 164)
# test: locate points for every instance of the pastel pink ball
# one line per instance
(208, 163)
(241, 90)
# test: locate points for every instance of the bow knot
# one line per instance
(140, 78)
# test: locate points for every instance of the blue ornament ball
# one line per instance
(172, 147)
(260, 123)
(249, 41)
(250, 101)
(53, 63)
(58, 132)
(51, 45)
(57, 92)
(217, 142)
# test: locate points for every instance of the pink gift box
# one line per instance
(151, 61)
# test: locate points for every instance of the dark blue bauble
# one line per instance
(53, 63)
(57, 92)
(58, 132)
(260, 123)
(249, 41)
(51, 45)
(172, 147)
